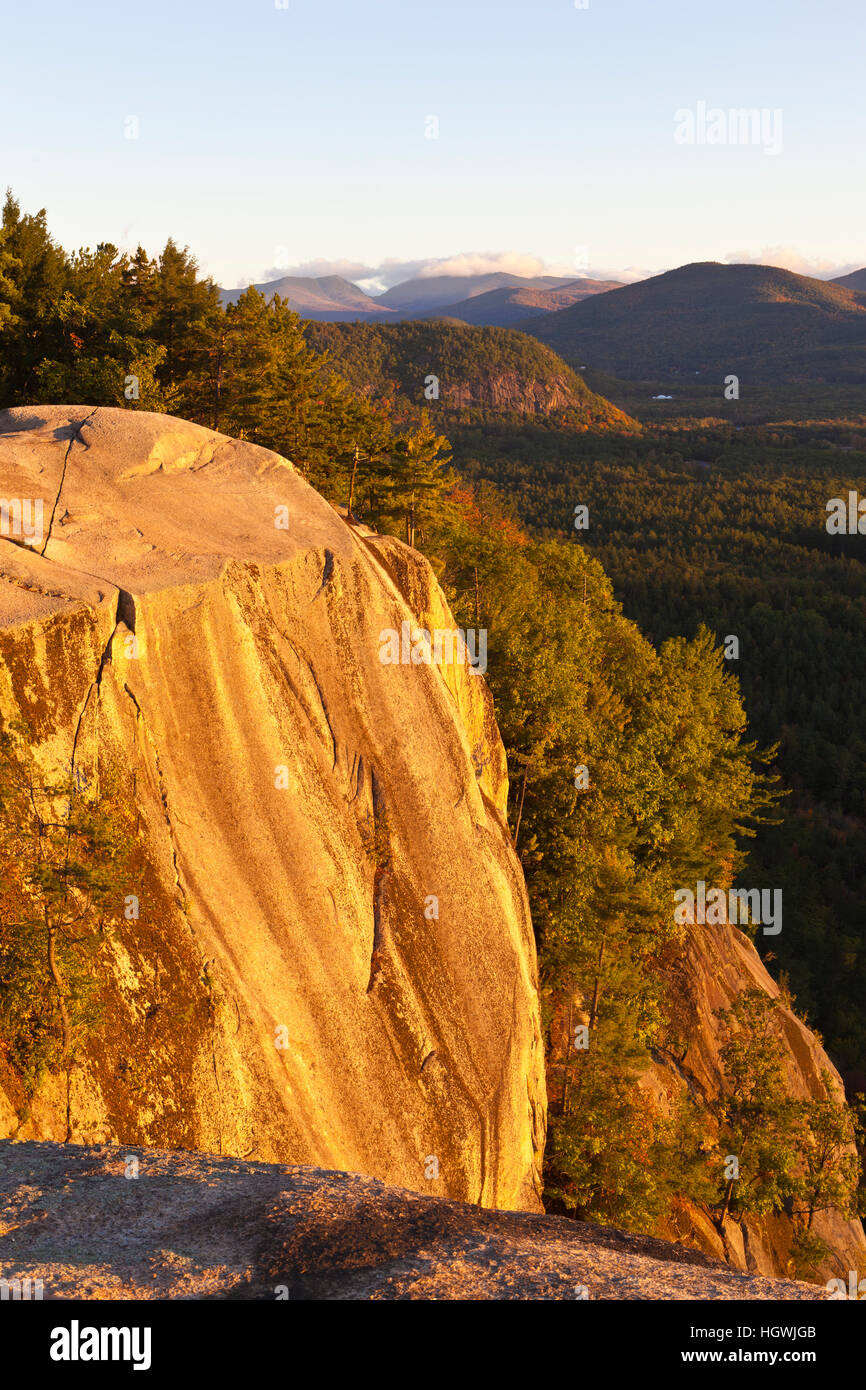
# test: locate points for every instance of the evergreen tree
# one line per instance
(37, 275)
(185, 310)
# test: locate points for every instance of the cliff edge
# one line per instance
(330, 959)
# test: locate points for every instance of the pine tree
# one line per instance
(38, 272)
(185, 309)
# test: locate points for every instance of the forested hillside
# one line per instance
(510, 307)
(727, 528)
(758, 322)
(470, 373)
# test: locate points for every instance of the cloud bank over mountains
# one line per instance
(789, 258)
(377, 279)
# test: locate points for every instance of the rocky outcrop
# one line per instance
(106, 1223)
(720, 963)
(333, 961)
(512, 391)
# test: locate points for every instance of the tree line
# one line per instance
(109, 328)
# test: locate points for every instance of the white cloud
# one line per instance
(489, 262)
(376, 279)
(521, 263)
(789, 258)
(628, 276)
(315, 270)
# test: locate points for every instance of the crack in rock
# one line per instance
(76, 439)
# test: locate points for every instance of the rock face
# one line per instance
(333, 962)
(721, 963)
(511, 391)
(90, 1224)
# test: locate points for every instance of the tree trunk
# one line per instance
(58, 985)
(723, 1216)
(410, 523)
(352, 483)
(520, 807)
(567, 1065)
(595, 993)
(218, 391)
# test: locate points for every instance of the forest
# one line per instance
(727, 528)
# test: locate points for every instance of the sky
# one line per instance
(385, 138)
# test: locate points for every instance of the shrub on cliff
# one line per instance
(776, 1154)
(64, 852)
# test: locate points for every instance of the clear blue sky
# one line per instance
(277, 137)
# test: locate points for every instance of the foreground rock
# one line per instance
(333, 961)
(199, 1226)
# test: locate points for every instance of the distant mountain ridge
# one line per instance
(701, 319)
(434, 291)
(510, 306)
(855, 281)
(505, 299)
(760, 321)
(326, 297)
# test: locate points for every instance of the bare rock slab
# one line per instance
(193, 1226)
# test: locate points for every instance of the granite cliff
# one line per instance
(333, 960)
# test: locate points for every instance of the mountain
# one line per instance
(757, 322)
(426, 293)
(855, 281)
(510, 306)
(207, 1226)
(329, 297)
(493, 371)
(321, 949)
